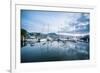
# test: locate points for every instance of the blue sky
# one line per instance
(56, 22)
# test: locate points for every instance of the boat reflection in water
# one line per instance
(42, 51)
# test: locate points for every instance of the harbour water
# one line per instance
(54, 51)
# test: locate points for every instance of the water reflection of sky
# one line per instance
(64, 22)
(55, 51)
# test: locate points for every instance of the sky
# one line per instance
(55, 22)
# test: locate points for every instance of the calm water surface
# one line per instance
(54, 51)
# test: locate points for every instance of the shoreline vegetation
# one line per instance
(35, 37)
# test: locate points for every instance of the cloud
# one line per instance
(50, 21)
